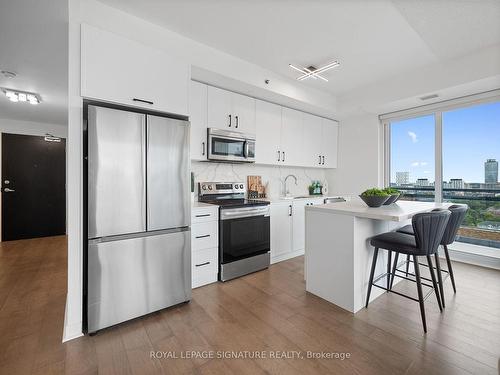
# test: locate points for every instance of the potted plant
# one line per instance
(394, 195)
(374, 197)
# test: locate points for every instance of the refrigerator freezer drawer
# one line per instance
(132, 277)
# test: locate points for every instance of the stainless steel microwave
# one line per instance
(231, 146)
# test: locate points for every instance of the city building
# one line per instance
(402, 178)
(422, 182)
(491, 171)
(456, 183)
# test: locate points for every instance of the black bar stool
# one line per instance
(429, 228)
(458, 213)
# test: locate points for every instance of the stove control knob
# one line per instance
(209, 187)
(236, 186)
(241, 186)
(204, 187)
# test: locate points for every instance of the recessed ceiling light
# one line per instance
(21, 96)
(313, 72)
(428, 97)
(8, 74)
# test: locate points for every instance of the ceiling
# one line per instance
(34, 44)
(373, 39)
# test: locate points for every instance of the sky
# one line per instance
(470, 136)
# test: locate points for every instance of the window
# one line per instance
(451, 155)
(471, 151)
(412, 158)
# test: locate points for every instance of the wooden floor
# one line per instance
(266, 311)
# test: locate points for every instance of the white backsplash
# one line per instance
(271, 175)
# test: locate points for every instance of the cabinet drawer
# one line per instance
(201, 215)
(204, 235)
(204, 267)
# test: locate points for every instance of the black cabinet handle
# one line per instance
(204, 236)
(237, 121)
(290, 210)
(229, 120)
(142, 101)
(319, 160)
(323, 160)
(283, 159)
(202, 264)
(203, 148)
(279, 155)
(204, 215)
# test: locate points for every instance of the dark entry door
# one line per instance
(33, 186)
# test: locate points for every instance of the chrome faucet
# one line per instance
(285, 190)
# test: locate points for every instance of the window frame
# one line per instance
(437, 110)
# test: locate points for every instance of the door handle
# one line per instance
(279, 155)
(203, 236)
(290, 210)
(203, 148)
(7, 190)
(142, 101)
(237, 121)
(323, 160)
(202, 264)
(283, 159)
(229, 120)
(319, 160)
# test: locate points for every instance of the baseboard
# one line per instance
(282, 257)
(472, 258)
(71, 330)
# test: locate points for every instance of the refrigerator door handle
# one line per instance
(144, 147)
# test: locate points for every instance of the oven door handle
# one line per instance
(235, 213)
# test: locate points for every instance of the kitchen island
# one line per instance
(338, 253)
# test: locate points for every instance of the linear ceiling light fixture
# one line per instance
(313, 72)
(21, 96)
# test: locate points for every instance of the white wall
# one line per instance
(271, 175)
(205, 59)
(359, 158)
(32, 128)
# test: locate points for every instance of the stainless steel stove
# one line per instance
(244, 228)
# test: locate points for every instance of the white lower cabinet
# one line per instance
(204, 245)
(281, 230)
(288, 228)
(299, 222)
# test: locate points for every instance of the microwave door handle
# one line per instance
(245, 149)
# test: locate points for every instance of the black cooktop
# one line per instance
(236, 202)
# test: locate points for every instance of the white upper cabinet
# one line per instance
(220, 109)
(313, 140)
(230, 111)
(198, 119)
(244, 113)
(268, 133)
(292, 138)
(122, 71)
(330, 143)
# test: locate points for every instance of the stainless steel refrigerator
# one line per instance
(138, 252)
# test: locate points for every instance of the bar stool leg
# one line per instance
(434, 283)
(389, 264)
(372, 272)
(407, 264)
(419, 290)
(394, 269)
(440, 278)
(450, 269)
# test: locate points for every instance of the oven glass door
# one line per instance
(244, 237)
(227, 148)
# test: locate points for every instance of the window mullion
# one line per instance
(438, 152)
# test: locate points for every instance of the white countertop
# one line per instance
(399, 211)
(282, 199)
(197, 204)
